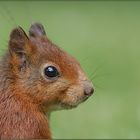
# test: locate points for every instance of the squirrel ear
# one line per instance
(37, 30)
(18, 40)
(18, 48)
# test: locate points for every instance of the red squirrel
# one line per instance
(37, 77)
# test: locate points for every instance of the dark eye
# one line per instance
(51, 72)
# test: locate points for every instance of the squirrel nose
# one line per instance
(88, 91)
(88, 88)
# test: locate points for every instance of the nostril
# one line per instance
(92, 91)
(88, 91)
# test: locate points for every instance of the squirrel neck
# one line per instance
(19, 116)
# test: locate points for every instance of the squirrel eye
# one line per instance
(51, 72)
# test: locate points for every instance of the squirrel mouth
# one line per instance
(85, 99)
(67, 106)
(70, 106)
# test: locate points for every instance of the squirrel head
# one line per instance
(45, 73)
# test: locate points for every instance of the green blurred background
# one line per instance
(105, 37)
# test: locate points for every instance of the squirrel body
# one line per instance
(37, 77)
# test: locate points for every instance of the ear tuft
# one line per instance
(19, 48)
(18, 39)
(18, 34)
(37, 30)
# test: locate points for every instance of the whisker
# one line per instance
(3, 15)
(8, 14)
(98, 87)
(85, 59)
(97, 69)
(100, 75)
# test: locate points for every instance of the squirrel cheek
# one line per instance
(78, 93)
(73, 96)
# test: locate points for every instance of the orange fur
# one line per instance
(26, 95)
